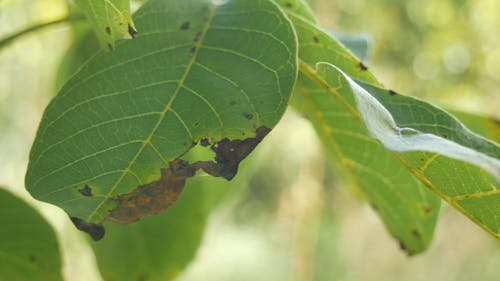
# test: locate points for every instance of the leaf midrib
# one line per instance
(198, 44)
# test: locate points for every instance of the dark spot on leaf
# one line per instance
(229, 153)
(96, 231)
(132, 31)
(416, 233)
(31, 258)
(205, 19)
(427, 210)
(197, 36)
(422, 159)
(153, 198)
(362, 66)
(232, 103)
(86, 191)
(192, 51)
(204, 142)
(374, 206)
(196, 124)
(316, 39)
(185, 25)
(248, 116)
(110, 47)
(392, 93)
(288, 5)
(403, 247)
(445, 136)
(108, 30)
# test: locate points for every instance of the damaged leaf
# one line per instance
(112, 140)
(110, 18)
(155, 197)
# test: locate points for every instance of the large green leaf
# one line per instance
(28, 245)
(408, 210)
(199, 72)
(110, 18)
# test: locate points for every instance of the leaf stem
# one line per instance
(4, 42)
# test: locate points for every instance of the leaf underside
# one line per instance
(197, 73)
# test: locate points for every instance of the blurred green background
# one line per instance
(293, 219)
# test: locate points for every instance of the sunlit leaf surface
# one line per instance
(213, 73)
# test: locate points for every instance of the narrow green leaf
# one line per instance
(433, 146)
(110, 18)
(28, 245)
(406, 207)
(217, 74)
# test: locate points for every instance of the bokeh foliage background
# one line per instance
(293, 219)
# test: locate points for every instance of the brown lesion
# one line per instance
(96, 231)
(86, 191)
(131, 31)
(155, 197)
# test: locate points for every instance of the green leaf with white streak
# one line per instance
(427, 142)
(28, 244)
(110, 18)
(407, 208)
(124, 120)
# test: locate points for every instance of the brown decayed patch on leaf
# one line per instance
(155, 197)
(152, 198)
(229, 153)
(86, 191)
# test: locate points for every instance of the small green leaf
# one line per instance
(28, 245)
(110, 18)
(200, 72)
